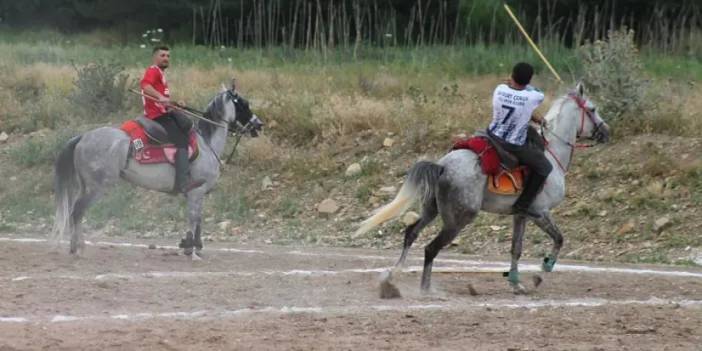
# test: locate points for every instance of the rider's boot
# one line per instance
(531, 189)
(183, 183)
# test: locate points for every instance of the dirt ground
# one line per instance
(122, 297)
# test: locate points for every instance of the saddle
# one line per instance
(505, 175)
(150, 144)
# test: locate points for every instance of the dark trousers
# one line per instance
(177, 126)
(530, 154)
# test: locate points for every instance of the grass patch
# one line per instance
(288, 208)
(26, 205)
(655, 257)
(686, 263)
(40, 149)
(7, 228)
(226, 205)
(671, 240)
(370, 168)
(364, 192)
(117, 203)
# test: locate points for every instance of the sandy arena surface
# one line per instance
(129, 297)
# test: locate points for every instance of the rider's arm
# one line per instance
(151, 91)
(536, 117)
(537, 100)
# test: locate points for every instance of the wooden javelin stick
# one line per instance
(536, 48)
(185, 111)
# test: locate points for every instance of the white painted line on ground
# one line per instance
(504, 266)
(495, 265)
(24, 240)
(209, 274)
(13, 320)
(166, 247)
(319, 273)
(224, 314)
(126, 244)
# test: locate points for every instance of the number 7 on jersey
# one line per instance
(510, 111)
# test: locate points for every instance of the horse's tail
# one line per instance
(421, 181)
(67, 189)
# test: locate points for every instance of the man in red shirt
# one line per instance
(175, 123)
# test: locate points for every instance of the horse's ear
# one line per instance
(580, 89)
(224, 87)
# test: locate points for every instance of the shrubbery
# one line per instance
(100, 88)
(614, 74)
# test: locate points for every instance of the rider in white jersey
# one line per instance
(512, 111)
(513, 106)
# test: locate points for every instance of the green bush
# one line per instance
(614, 74)
(21, 93)
(100, 88)
(40, 149)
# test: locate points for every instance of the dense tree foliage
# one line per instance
(334, 22)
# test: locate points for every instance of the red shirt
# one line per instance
(156, 78)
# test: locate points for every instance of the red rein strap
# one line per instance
(583, 110)
(557, 160)
(581, 104)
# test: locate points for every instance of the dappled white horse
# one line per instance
(93, 162)
(456, 188)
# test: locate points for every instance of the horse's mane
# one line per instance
(214, 112)
(555, 108)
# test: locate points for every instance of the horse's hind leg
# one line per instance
(429, 212)
(82, 204)
(99, 158)
(519, 225)
(547, 225)
(451, 228)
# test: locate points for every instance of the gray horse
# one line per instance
(456, 188)
(92, 162)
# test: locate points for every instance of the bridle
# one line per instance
(235, 128)
(240, 129)
(584, 111)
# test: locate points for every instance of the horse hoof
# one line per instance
(195, 257)
(519, 289)
(548, 264)
(388, 290)
(188, 251)
(472, 291)
(537, 280)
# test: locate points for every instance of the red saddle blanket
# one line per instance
(500, 180)
(147, 153)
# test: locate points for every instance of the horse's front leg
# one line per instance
(519, 225)
(547, 225)
(193, 238)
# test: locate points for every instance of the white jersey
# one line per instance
(511, 112)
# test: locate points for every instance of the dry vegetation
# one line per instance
(322, 118)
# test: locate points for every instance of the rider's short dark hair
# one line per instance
(160, 48)
(522, 72)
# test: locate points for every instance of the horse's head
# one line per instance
(591, 125)
(234, 110)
